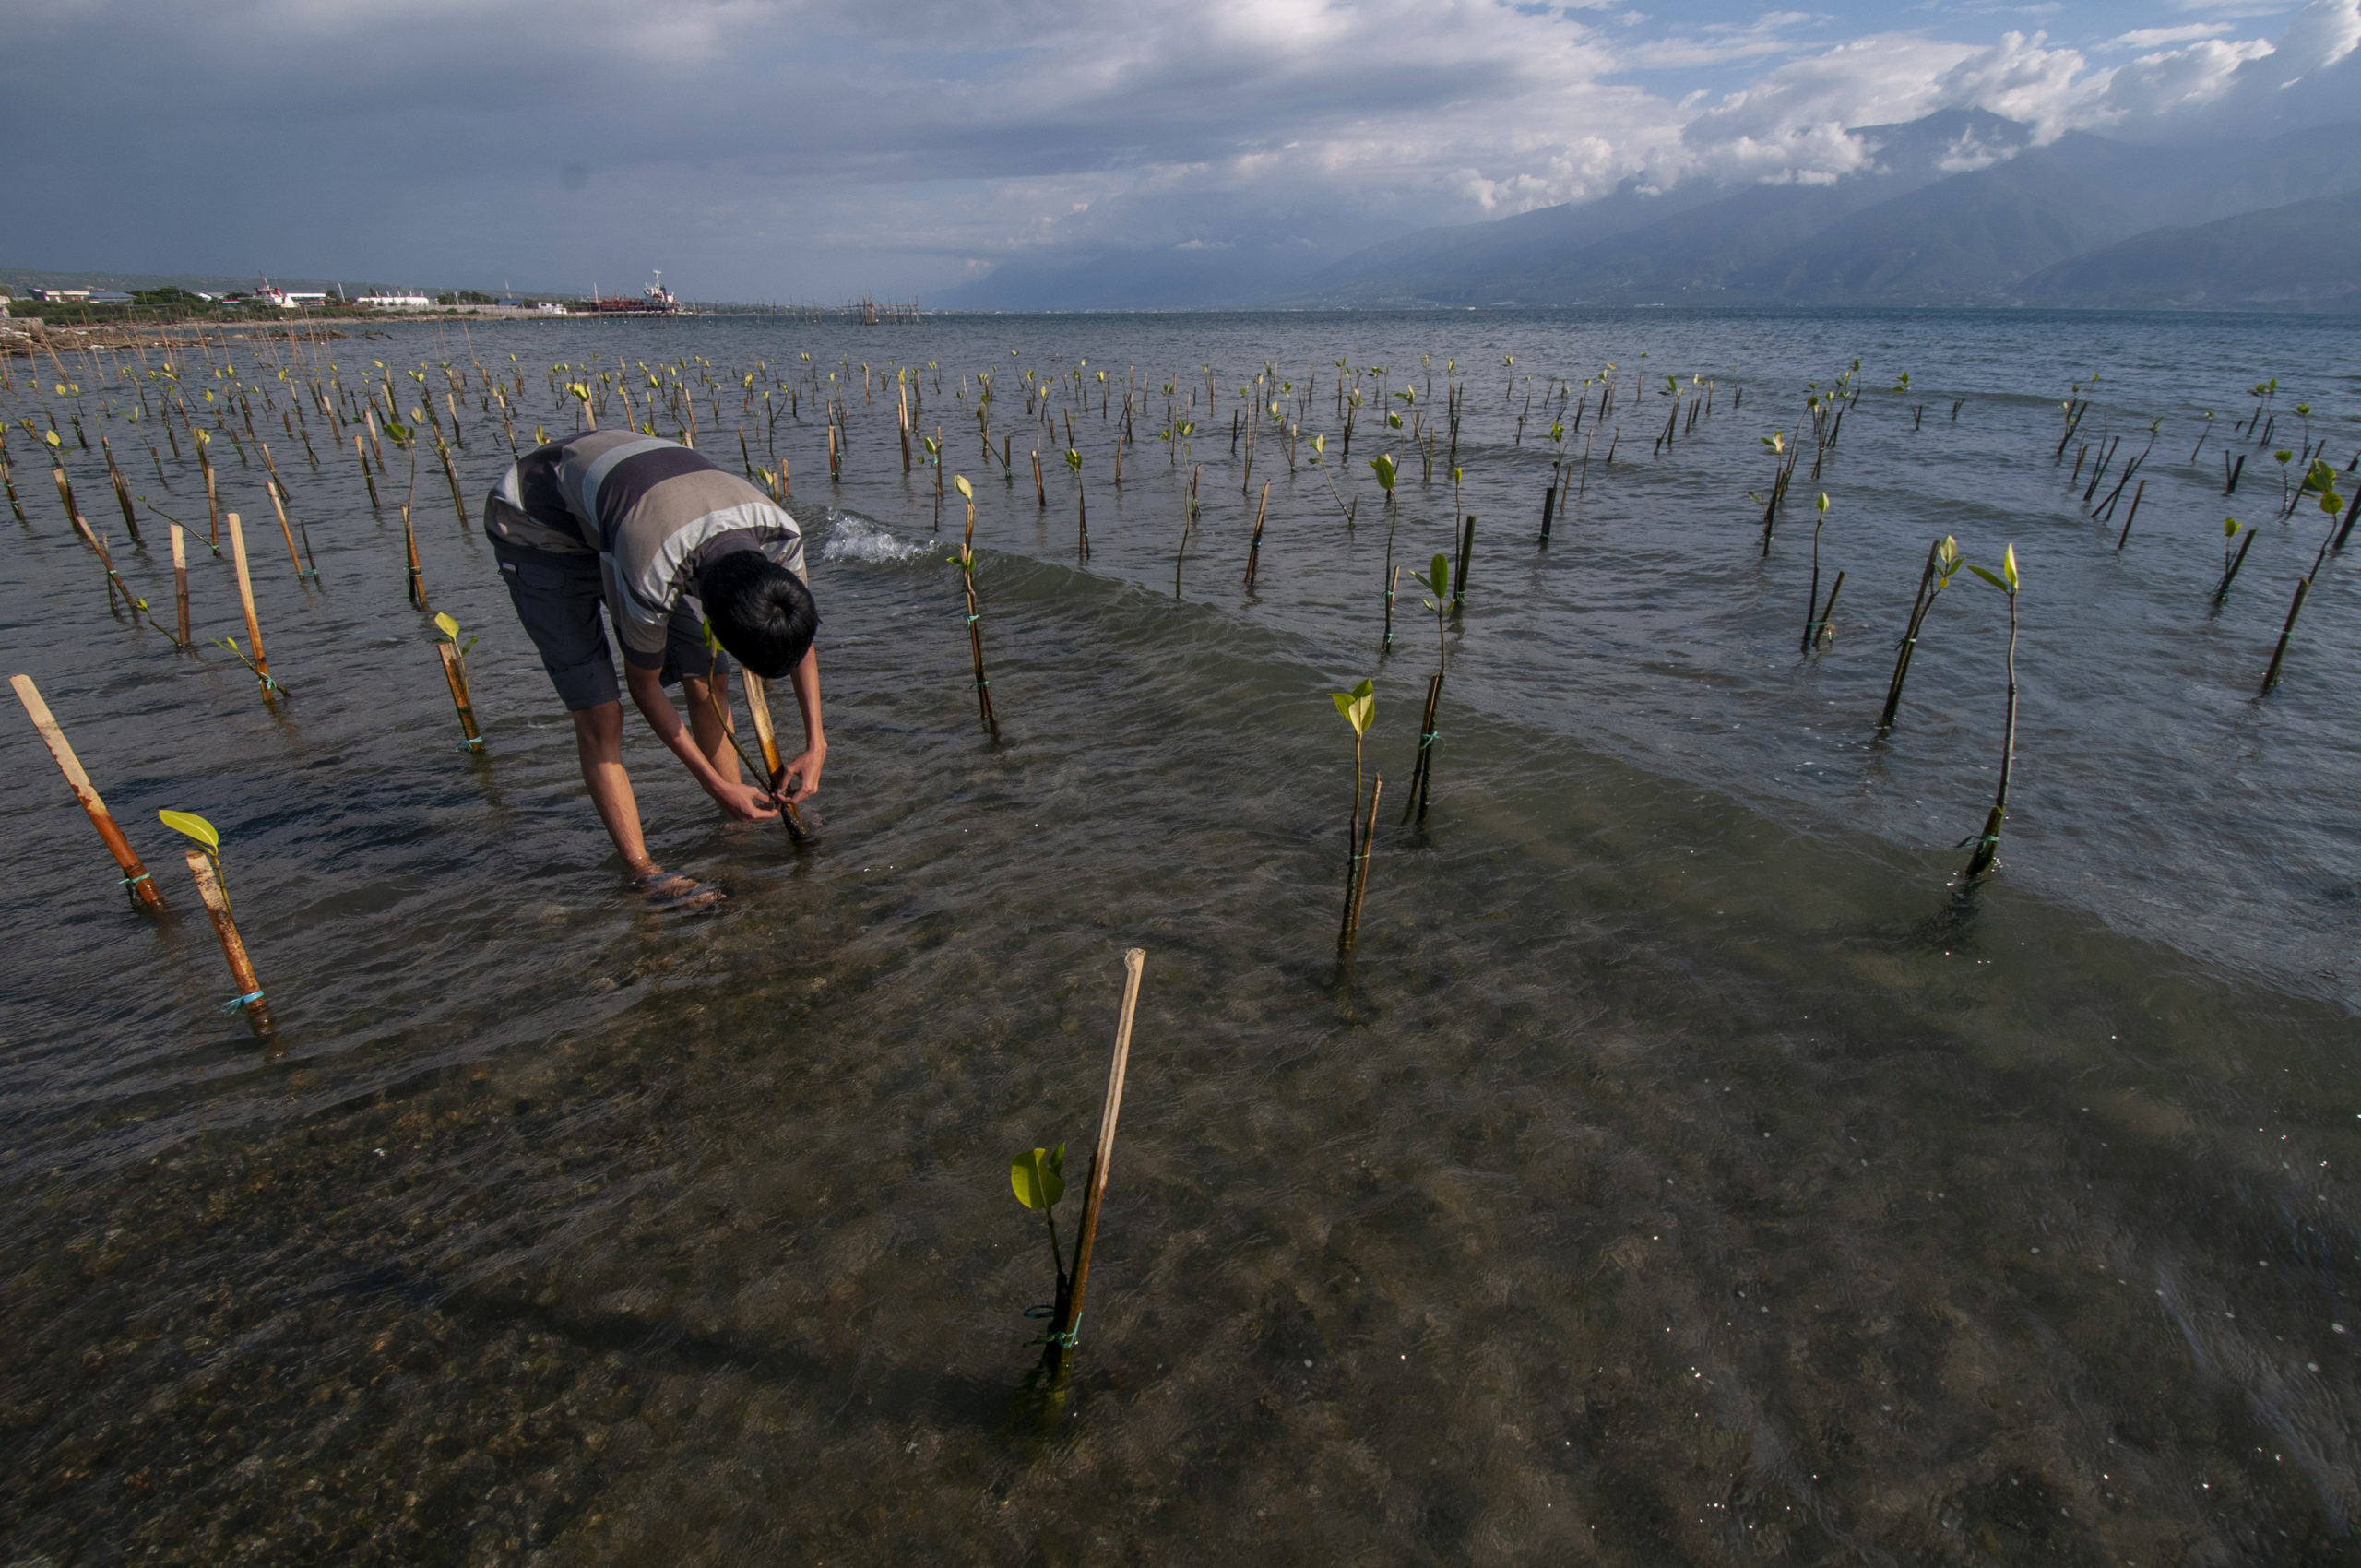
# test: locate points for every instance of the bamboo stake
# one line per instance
(286, 530)
(758, 703)
(1254, 548)
(458, 677)
(409, 547)
(1358, 887)
(180, 581)
(2129, 516)
(241, 969)
(136, 883)
(259, 660)
(2279, 655)
(212, 496)
(1102, 1152)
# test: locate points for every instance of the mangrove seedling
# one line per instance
(2231, 529)
(453, 654)
(1437, 581)
(966, 562)
(205, 867)
(1038, 1175)
(2321, 479)
(1777, 442)
(1816, 620)
(1359, 707)
(1942, 560)
(1987, 844)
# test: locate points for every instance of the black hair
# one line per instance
(761, 611)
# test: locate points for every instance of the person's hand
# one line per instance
(746, 803)
(803, 772)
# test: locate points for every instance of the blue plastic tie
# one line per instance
(237, 1002)
(131, 882)
(475, 744)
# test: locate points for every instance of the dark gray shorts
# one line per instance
(558, 599)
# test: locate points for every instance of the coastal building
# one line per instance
(394, 302)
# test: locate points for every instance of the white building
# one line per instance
(394, 302)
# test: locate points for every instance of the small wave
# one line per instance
(858, 539)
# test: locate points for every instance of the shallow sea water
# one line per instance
(1685, 1170)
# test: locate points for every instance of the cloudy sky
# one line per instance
(810, 149)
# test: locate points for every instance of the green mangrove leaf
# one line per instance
(1358, 705)
(1989, 577)
(195, 826)
(1439, 575)
(1037, 1179)
(450, 626)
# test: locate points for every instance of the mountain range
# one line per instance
(1960, 208)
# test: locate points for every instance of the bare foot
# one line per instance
(671, 890)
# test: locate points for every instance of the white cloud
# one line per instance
(931, 132)
(2157, 37)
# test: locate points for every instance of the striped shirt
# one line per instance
(650, 508)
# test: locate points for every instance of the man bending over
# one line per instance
(666, 540)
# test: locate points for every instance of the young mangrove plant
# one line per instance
(453, 654)
(966, 562)
(2231, 530)
(1383, 466)
(1781, 466)
(2321, 480)
(1942, 560)
(205, 869)
(1038, 1175)
(1437, 581)
(1987, 844)
(1039, 1178)
(1817, 629)
(1359, 707)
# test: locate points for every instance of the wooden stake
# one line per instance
(285, 529)
(2128, 517)
(180, 580)
(212, 498)
(1101, 1154)
(409, 547)
(241, 969)
(247, 602)
(1254, 548)
(135, 880)
(1357, 881)
(758, 703)
(456, 675)
(2279, 655)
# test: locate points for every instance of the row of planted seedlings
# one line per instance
(192, 402)
(674, 390)
(1267, 415)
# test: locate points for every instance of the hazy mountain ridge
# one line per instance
(1908, 230)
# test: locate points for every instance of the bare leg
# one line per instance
(712, 734)
(599, 731)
